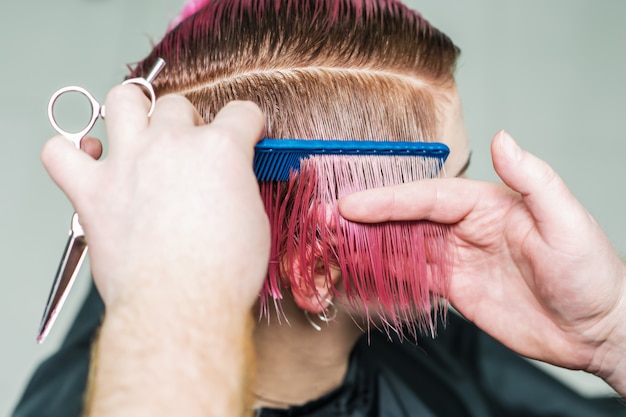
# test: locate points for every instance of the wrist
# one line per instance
(157, 347)
(610, 359)
(199, 290)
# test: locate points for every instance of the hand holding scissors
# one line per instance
(76, 247)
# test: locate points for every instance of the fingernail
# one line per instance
(509, 146)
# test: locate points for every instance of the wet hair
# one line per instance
(329, 69)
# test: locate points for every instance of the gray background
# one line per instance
(551, 73)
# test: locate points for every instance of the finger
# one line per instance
(241, 121)
(447, 200)
(67, 166)
(544, 192)
(91, 146)
(174, 110)
(126, 114)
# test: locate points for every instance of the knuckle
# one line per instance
(254, 110)
(247, 106)
(119, 92)
(546, 175)
(222, 134)
(121, 95)
(173, 99)
(49, 149)
(171, 134)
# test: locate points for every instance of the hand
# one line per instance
(179, 247)
(174, 197)
(531, 267)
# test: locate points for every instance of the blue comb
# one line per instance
(274, 159)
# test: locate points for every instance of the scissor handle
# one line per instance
(95, 112)
(146, 82)
(96, 109)
(148, 87)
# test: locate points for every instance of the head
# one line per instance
(332, 69)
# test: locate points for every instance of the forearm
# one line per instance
(167, 355)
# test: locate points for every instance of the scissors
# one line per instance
(76, 247)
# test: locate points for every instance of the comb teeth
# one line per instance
(274, 159)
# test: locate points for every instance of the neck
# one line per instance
(296, 363)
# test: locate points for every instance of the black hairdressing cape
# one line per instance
(461, 373)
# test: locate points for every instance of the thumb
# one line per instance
(544, 192)
(66, 165)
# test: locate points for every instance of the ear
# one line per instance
(313, 290)
(311, 276)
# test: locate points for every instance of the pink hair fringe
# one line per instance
(396, 272)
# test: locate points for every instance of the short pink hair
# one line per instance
(329, 69)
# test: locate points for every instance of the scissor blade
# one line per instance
(73, 257)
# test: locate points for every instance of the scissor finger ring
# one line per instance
(95, 112)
